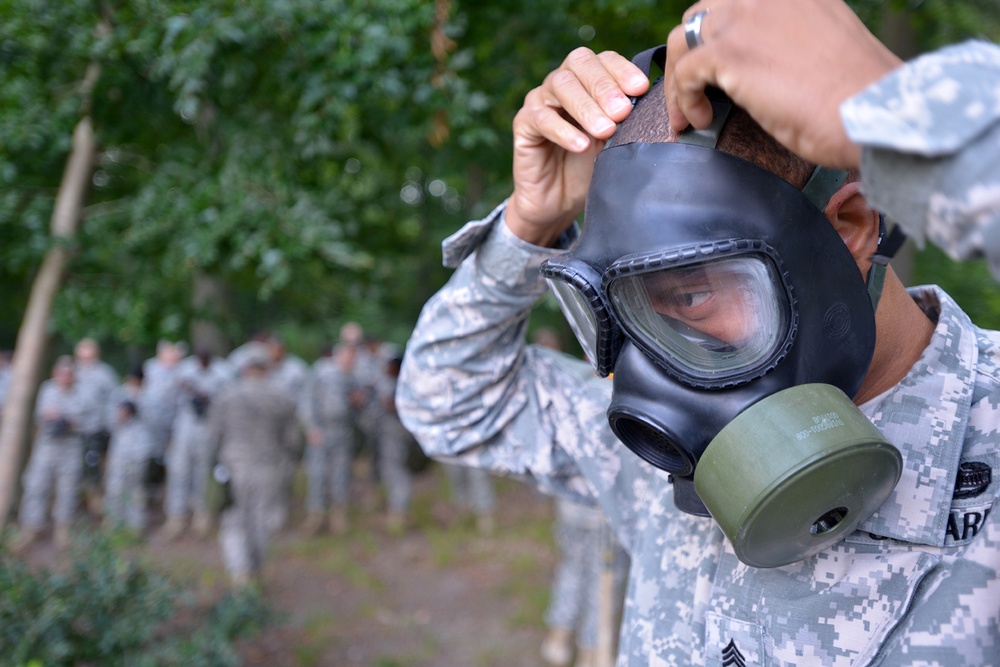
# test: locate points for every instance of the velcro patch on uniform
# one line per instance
(732, 643)
(964, 524)
(972, 502)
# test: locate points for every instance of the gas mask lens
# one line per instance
(708, 320)
(579, 315)
(576, 287)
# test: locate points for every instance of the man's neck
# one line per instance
(904, 332)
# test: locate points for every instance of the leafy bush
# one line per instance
(107, 609)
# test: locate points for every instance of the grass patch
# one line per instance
(318, 639)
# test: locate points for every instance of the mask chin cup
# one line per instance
(794, 474)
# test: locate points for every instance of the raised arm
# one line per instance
(926, 135)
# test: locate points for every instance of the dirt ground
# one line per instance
(438, 594)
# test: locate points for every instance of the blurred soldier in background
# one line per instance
(95, 380)
(287, 370)
(125, 498)
(200, 378)
(393, 443)
(327, 414)
(255, 430)
(236, 357)
(365, 372)
(575, 603)
(472, 490)
(132, 456)
(161, 387)
(56, 457)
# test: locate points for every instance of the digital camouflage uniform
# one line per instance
(471, 488)
(917, 584)
(574, 602)
(160, 382)
(290, 374)
(324, 406)
(188, 457)
(56, 457)
(368, 370)
(393, 444)
(256, 429)
(930, 138)
(125, 498)
(96, 380)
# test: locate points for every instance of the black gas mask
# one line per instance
(736, 326)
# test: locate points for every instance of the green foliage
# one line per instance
(308, 155)
(110, 610)
(281, 147)
(969, 283)
(936, 23)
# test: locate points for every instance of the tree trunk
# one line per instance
(32, 336)
(211, 301)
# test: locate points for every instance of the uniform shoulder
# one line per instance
(989, 359)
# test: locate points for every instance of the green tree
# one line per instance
(286, 163)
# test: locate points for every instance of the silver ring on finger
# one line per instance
(692, 29)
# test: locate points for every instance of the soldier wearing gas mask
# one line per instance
(797, 452)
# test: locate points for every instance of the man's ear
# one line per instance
(857, 224)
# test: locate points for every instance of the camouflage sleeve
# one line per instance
(470, 387)
(460, 383)
(930, 139)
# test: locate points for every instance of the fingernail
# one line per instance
(602, 125)
(580, 143)
(620, 104)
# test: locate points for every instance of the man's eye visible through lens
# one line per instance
(693, 299)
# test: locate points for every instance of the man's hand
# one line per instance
(789, 63)
(558, 133)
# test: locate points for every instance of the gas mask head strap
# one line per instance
(721, 104)
(888, 245)
(822, 185)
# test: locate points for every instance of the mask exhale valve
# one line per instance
(794, 474)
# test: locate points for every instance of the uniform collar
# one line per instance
(925, 417)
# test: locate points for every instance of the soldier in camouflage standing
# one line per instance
(907, 584)
(393, 444)
(200, 378)
(254, 430)
(368, 368)
(125, 498)
(327, 414)
(287, 370)
(56, 457)
(161, 389)
(96, 379)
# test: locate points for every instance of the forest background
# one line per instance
(293, 164)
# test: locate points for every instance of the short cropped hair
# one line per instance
(741, 136)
